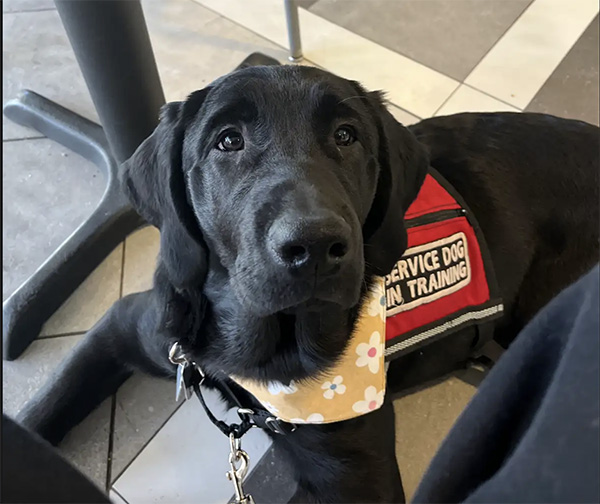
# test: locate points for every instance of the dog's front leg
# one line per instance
(96, 368)
(344, 462)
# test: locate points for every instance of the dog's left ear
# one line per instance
(403, 164)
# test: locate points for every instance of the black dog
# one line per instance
(279, 192)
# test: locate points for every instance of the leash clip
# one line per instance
(188, 372)
(237, 473)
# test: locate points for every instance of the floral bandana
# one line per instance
(354, 387)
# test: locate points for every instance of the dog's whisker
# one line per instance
(351, 98)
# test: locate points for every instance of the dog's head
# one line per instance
(278, 191)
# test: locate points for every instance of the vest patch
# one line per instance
(444, 281)
(428, 272)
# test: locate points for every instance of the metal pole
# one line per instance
(293, 24)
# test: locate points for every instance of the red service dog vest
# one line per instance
(444, 281)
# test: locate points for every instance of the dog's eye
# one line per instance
(230, 141)
(344, 135)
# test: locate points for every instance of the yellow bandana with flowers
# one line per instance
(354, 387)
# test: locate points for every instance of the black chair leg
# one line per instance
(28, 308)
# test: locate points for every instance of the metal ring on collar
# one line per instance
(176, 355)
(275, 425)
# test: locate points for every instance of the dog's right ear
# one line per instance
(153, 180)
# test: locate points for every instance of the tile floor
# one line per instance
(432, 58)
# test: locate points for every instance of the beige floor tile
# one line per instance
(408, 84)
(518, 65)
(141, 251)
(422, 421)
(467, 99)
(266, 17)
(91, 299)
(86, 446)
(47, 193)
(403, 116)
(193, 45)
(143, 405)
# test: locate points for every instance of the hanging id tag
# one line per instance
(188, 373)
(183, 383)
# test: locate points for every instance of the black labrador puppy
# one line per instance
(279, 192)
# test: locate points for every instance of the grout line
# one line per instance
(147, 443)
(120, 495)
(207, 23)
(61, 335)
(405, 111)
(8, 140)
(122, 269)
(113, 408)
(479, 91)
(494, 97)
(111, 440)
(41, 9)
(446, 100)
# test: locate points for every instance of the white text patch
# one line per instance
(428, 272)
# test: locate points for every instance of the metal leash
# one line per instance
(237, 473)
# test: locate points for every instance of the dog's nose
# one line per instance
(320, 243)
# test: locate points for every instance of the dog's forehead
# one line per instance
(267, 86)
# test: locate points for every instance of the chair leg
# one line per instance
(293, 25)
(28, 308)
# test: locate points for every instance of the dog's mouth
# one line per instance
(263, 296)
(311, 305)
(298, 338)
(306, 344)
